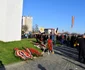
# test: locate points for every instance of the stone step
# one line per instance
(68, 49)
(65, 53)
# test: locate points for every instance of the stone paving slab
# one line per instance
(48, 62)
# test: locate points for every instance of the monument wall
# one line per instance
(10, 20)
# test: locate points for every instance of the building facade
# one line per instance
(27, 20)
(49, 30)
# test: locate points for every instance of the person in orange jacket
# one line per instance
(50, 45)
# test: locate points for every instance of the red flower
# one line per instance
(34, 51)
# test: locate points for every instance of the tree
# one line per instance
(33, 29)
(24, 28)
(36, 29)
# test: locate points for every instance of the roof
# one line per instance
(50, 28)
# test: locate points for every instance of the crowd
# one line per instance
(74, 41)
(45, 42)
(70, 40)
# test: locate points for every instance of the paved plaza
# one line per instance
(65, 58)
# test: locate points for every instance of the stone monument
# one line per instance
(10, 20)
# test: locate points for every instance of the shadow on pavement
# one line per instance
(66, 53)
(69, 54)
(2, 66)
(41, 67)
(75, 63)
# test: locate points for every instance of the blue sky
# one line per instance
(56, 13)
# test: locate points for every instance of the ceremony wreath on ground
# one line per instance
(27, 53)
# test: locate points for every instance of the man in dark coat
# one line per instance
(81, 44)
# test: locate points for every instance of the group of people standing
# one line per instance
(75, 41)
(45, 39)
(66, 40)
(81, 48)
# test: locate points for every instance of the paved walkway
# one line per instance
(65, 58)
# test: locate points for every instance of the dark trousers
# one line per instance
(81, 56)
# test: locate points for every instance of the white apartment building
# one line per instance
(27, 20)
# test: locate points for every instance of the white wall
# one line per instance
(2, 19)
(10, 21)
(24, 20)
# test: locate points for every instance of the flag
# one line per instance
(41, 29)
(56, 30)
(72, 22)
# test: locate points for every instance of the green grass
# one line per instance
(7, 53)
(58, 43)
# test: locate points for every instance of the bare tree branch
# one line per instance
(24, 28)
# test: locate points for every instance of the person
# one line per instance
(81, 45)
(44, 39)
(2, 67)
(37, 39)
(26, 35)
(62, 39)
(50, 45)
(54, 39)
